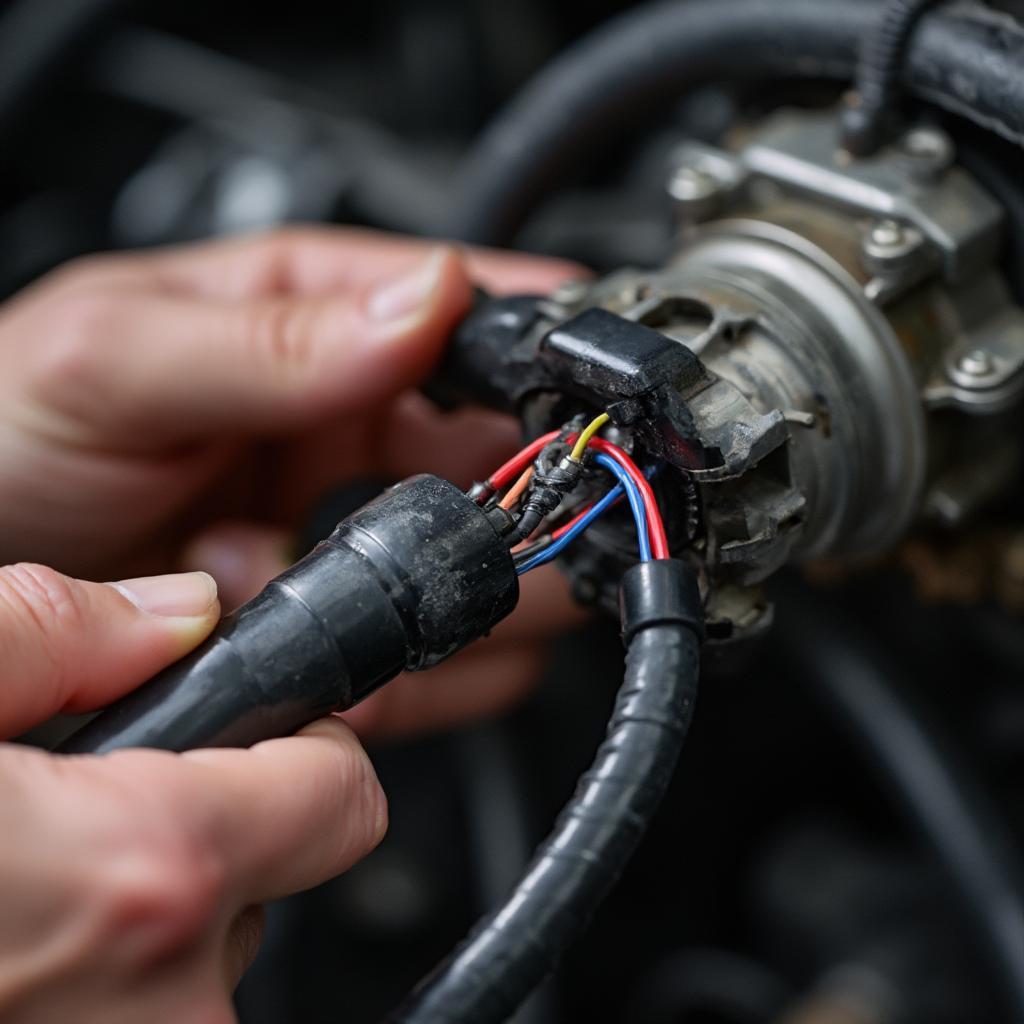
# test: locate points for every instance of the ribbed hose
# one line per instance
(876, 91)
(511, 951)
(968, 61)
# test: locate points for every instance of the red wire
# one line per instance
(655, 526)
(555, 534)
(507, 472)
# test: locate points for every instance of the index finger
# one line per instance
(315, 261)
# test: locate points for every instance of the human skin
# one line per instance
(182, 409)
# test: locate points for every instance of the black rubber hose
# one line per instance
(876, 92)
(915, 763)
(511, 951)
(37, 38)
(969, 61)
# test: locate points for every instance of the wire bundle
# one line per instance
(517, 475)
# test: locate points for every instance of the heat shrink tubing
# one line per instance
(409, 579)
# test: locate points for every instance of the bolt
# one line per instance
(976, 363)
(891, 248)
(931, 149)
(692, 185)
(887, 234)
(570, 293)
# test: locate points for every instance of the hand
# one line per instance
(185, 408)
(132, 882)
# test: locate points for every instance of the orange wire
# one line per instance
(516, 490)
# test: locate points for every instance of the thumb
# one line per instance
(167, 367)
(68, 645)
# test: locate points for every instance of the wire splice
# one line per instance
(508, 471)
(545, 484)
(563, 537)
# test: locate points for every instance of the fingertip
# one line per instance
(332, 728)
(185, 604)
(411, 315)
(375, 802)
(389, 337)
(506, 273)
(410, 295)
(350, 766)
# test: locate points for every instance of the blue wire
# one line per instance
(635, 503)
(553, 550)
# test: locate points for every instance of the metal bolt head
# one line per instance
(692, 185)
(890, 247)
(570, 293)
(930, 149)
(887, 234)
(976, 363)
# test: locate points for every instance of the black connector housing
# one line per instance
(409, 579)
(662, 592)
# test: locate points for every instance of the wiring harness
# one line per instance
(409, 579)
(548, 470)
(512, 949)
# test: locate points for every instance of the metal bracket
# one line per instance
(910, 182)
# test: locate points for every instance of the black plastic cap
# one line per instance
(658, 593)
(618, 358)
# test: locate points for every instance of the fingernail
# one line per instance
(400, 298)
(183, 595)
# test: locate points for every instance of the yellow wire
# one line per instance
(587, 433)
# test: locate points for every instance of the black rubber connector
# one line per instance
(401, 584)
(659, 593)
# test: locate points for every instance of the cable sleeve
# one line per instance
(510, 951)
(878, 75)
(969, 61)
(412, 577)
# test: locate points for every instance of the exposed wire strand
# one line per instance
(521, 462)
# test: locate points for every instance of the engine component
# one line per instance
(408, 580)
(964, 60)
(831, 342)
